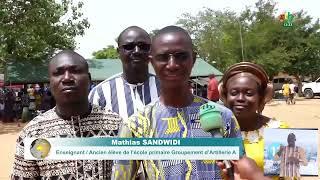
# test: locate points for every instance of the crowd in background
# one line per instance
(24, 103)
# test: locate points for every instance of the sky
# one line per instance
(108, 18)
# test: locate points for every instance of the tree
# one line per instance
(35, 30)
(217, 36)
(106, 53)
(283, 49)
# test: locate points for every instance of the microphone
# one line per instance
(211, 121)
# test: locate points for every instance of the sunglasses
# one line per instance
(131, 46)
(178, 56)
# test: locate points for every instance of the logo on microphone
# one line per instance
(210, 117)
(206, 107)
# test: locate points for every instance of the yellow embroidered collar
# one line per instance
(256, 135)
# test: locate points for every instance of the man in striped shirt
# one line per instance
(127, 92)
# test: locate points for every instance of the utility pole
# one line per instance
(241, 40)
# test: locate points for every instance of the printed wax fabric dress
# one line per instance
(160, 121)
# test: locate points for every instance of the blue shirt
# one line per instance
(160, 121)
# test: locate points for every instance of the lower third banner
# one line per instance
(133, 148)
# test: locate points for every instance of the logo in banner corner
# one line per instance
(40, 148)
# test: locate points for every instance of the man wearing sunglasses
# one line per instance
(134, 88)
(175, 114)
(131, 90)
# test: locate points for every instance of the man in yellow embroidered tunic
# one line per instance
(291, 157)
(175, 114)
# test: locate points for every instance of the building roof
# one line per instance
(26, 72)
(100, 69)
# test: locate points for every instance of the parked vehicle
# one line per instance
(311, 89)
(278, 81)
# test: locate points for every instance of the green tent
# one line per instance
(26, 72)
(100, 69)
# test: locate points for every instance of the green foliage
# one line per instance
(106, 53)
(35, 30)
(217, 37)
(153, 32)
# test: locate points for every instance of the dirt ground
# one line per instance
(304, 114)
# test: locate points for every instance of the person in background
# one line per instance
(296, 89)
(46, 101)
(1, 109)
(9, 102)
(213, 92)
(286, 90)
(46, 87)
(25, 105)
(32, 101)
(18, 106)
(245, 89)
(292, 94)
(1, 104)
(204, 91)
(191, 87)
(31, 90)
(38, 98)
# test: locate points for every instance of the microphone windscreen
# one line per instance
(210, 117)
